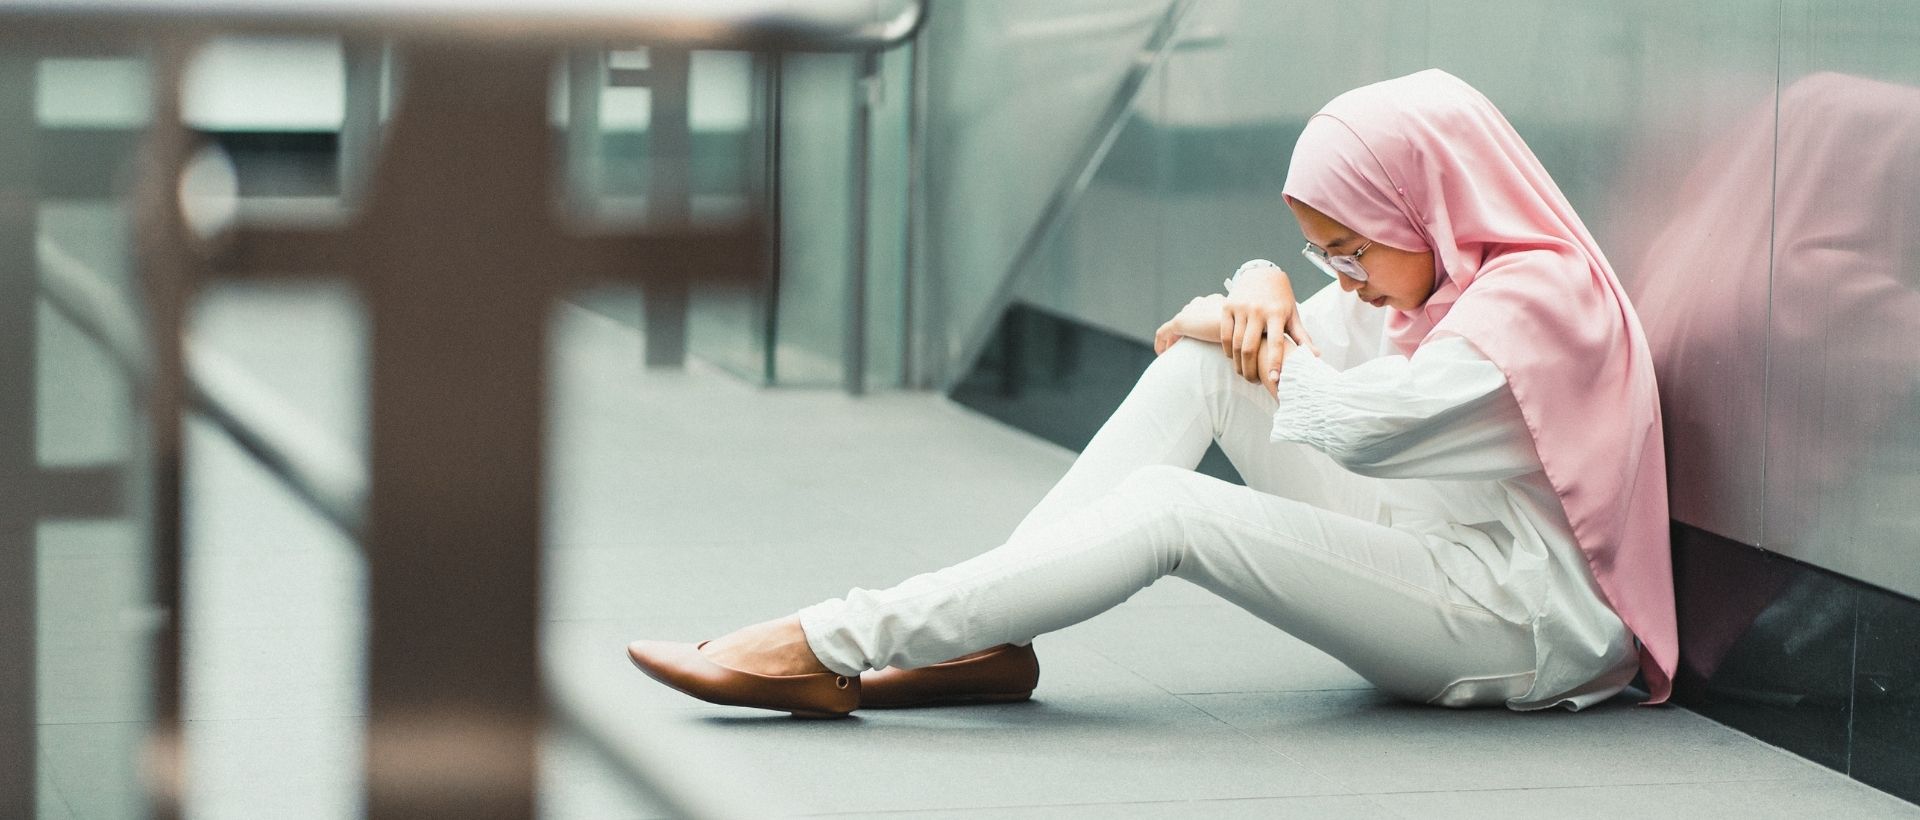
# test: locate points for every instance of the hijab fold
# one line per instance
(1426, 162)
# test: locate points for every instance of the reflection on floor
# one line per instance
(685, 504)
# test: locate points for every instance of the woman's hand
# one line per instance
(1199, 319)
(1273, 356)
(1259, 323)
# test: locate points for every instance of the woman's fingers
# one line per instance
(1249, 348)
(1273, 357)
(1226, 332)
(1276, 331)
(1298, 330)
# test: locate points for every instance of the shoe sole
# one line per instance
(803, 714)
(818, 715)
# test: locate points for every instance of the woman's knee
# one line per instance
(1206, 365)
(1189, 353)
(1155, 484)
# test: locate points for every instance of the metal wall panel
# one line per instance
(1685, 219)
(1843, 460)
(1751, 171)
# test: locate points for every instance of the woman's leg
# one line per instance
(1188, 398)
(1365, 593)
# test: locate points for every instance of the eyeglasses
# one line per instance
(1333, 266)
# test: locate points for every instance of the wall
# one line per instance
(1778, 291)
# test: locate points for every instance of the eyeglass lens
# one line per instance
(1329, 264)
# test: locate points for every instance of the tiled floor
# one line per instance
(687, 504)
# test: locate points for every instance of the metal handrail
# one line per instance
(1065, 200)
(321, 471)
(753, 25)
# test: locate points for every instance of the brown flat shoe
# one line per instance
(1002, 674)
(681, 666)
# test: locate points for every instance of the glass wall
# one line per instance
(1788, 406)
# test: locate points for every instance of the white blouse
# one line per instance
(1443, 438)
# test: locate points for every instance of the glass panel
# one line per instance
(1014, 90)
(887, 217)
(79, 600)
(815, 206)
(1664, 151)
(1234, 107)
(727, 322)
(276, 621)
(1843, 377)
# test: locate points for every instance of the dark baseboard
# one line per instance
(1816, 663)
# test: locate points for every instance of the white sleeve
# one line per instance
(1445, 413)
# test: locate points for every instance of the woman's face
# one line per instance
(1396, 278)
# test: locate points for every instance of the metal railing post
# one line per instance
(669, 198)
(163, 249)
(773, 89)
(364, 89)
(865, 98)
(458, 313)
(18, 460)
(586, 76)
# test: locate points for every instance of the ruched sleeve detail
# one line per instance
(1444, 413)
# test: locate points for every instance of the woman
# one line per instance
(1454, 476)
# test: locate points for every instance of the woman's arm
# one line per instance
(1445, 413)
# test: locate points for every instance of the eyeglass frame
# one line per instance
(1333, 265)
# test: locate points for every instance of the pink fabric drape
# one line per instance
(1426, 162)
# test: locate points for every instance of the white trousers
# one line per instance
(1131, 510)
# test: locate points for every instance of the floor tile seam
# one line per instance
(1109, 659)
(43, 634)
(108, 722)
(1340, 787)
(1779, 750)
(1842, 780)
(706, 708)
(317, 626)
(1085, 804)
(236, 719)
(1130, 670)
(1281, 691)
(53, 782)
(333, 715)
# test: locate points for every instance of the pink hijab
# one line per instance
(1425, 162)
